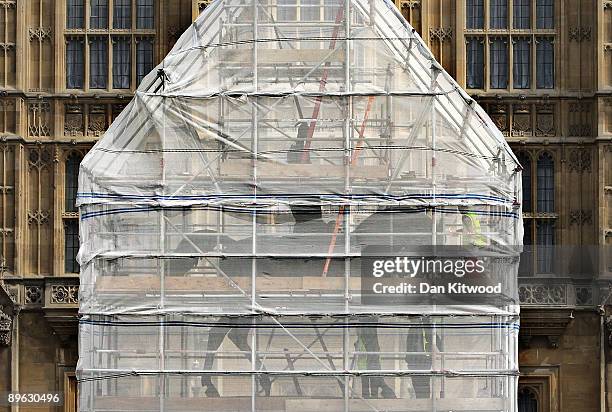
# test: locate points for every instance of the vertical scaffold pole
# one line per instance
(347, 190)
(254, 150)
(162, 263)
(434, 227)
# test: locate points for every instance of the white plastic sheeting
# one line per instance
(225, 212)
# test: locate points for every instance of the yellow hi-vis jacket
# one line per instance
(475, 238)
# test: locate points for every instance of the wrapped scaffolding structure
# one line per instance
(227, 212)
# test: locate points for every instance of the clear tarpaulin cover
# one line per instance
(233, 215)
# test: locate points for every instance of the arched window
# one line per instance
(546, 183)
(525, 161)
(527, 400)
(72, 181)
(539, 212)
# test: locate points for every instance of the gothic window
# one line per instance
(498, 14)
(522, 14)
(74, 64)
(525, 161)
(72, 181)
(546, 183)
(499, 64)
(122, 14)
(144, 58)
(522, 63)
(98, 14)
(545, 245)
(475, 14)
(545, 63)
(145, 14)
(71, 245)
(475, 63)
(98, 63)
(545, 14)
(527, 400)
(539, 213)
(121, 63)
(75, 14)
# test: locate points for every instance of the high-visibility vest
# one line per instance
(475, 238)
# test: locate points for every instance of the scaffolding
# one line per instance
(225, 215)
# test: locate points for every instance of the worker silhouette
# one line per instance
(367, 343)
(296, 152)
(419, 347)
(237, 330)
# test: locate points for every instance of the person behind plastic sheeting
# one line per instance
(237, 330)
(369, 359)
(419, 348)
(296, 153)
(471, 230)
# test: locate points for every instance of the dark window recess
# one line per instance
(546, 245)
(74, 64)
(545, 63)
(145, 14)
(98, 14)
(98, 63)
(526, 262)
(522, 14)
(498, 14)
(546, 183)
(499, 64)
(522, 63)
(71, 245)
(121, 63)
(525, 162)
(474, 14)
(545, 14)
(122, 14)
(144, 58)
(527, 400)
(475, 63)
(75, 14)
(72, 181)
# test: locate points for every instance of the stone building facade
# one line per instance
(541, 68)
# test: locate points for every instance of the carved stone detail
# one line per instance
(64, 294)
(581, 217)
(6, 329)
(8, 4)
(542, 295)
(545, 120)
(580, 34)
(580, 115)
(499, 115)
(410, 4)
(40, 33)
(521, 120)
(442, 34)
(609, 328)
(579, 161)
(38, 119)
(39, 158)
(96, 123)
(33, 295)
(202, 4)
(38, 217)
(73, 120)
(584, 295)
